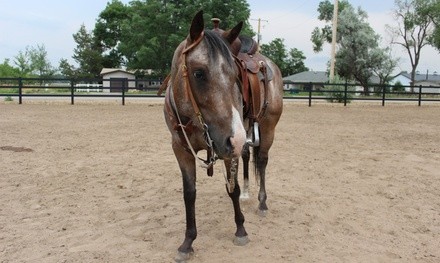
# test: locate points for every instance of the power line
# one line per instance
(259, 28)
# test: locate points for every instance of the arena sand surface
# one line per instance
(98, 182)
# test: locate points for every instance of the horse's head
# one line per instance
(204, 79)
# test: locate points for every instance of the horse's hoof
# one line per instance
(262, 213)
(241, 241)
(183, 257)
(244, 196)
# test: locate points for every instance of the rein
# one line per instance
(212, 156)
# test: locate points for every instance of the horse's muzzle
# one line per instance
(235, 145)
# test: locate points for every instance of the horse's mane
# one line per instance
(217, 46)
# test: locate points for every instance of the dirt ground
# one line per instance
(98, 182)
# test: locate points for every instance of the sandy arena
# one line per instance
(98, 182)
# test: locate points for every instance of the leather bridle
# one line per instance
(212, 156)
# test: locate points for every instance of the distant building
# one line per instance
(420, 79)
(113, 79)
(316, 80)
(306, 80)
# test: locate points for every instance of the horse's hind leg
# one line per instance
(261, 156)
(245, 157)
(241, 237)
(261, 160)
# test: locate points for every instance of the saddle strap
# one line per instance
(243, 81)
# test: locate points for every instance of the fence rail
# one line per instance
(146, 88)
(347, 92)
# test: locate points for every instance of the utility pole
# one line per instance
(334, 32)
(259, 29)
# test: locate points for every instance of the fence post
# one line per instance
(345, 92)
(72, 92)
(420, 95)
(310, 94)
(383, 95)
(20, 90)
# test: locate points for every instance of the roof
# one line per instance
(308, 76)
(422, 77)
(106, 71)
(317, 77)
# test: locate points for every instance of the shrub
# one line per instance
(336, 91)
(398, 87)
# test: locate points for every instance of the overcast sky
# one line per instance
(52, 23)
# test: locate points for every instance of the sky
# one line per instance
(53, 22)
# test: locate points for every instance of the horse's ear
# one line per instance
(197, 26)
(231, 35)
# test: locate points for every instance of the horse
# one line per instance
(204, 110)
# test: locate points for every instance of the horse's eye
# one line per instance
(198, 74)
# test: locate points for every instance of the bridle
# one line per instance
(212, 156)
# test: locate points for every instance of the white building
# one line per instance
(113, 80)
(424, 80)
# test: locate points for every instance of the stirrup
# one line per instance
(253, 138)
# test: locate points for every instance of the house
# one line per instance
(306, 80)
(420, 79)
(113, 79)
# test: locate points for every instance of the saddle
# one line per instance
(255, 75)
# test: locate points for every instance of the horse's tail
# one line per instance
(255, 156)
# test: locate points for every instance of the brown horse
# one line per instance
(204, 107)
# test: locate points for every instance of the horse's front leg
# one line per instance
(241, 237)
(187, 167)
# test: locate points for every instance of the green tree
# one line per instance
(385, 70)
(8, 71)
(414, 28)
(145, 33)
(108, 31)
(435, 15)
(295, 62)
(323, 35)
(23, 63)
(68, 70)
(40, 62)
(359, 54)
(35, 61)
(87, 54)
(289, 63)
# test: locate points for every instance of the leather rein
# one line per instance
(212, 156)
